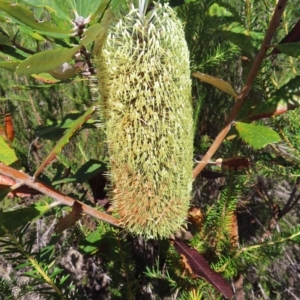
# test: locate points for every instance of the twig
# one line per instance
(274, 23)
(292, 201)
(56, 195)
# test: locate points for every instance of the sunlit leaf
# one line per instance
(91, 241)
(102, 34)
(32, 34)
(90, 34)
(92, 8)
(44, 77)
(7, 154)
(257, 136)
(9, 65)
(218, 83)
(46, 61)
(26, 16)
(60, 8)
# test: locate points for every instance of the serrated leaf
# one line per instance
(218, 83)
(65, 139)
(7, 154)
(257, 136)
(290, 49)
(26, 17)
(45, 61)
(285, 98)
(201, 268)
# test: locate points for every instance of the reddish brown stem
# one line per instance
(25, 179)
(274, 23)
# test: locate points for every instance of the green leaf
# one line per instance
(55, 130)
(284, 99)
(84, 173)
(108, 16)
(16, 218)
(4, 38)
(14, 97)
(60, 8)
(86, 8)
(3, 193)
(26, 17)
(290, 49)
(65, 139)
(46, 61)
(43, 77)
(32, 34)
(90, 34)
(64, 71)
(91, 241)
(228, 22)
(257, 136)
(13, 53)
(7, 154)
(218, 83)
(9, 65)
(95, 236)
(60, 11)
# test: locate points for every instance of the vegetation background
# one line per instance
(244, 209)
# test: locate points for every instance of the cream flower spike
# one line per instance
(144, 81)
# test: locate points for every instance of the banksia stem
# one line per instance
(146, 93)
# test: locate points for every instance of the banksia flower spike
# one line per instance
(146, 92)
